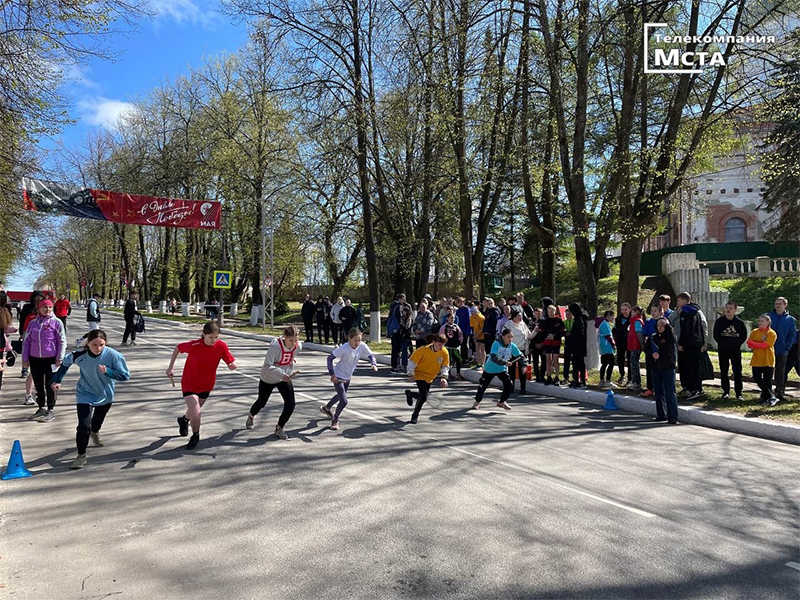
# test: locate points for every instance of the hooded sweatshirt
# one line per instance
(693, 327)
(578, 332)
(94, 387)
(44, 338)
(730, 334)
(785, 328)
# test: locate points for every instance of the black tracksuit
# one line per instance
(730, 334)
(307, 312)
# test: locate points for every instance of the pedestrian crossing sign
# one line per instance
(222, 280)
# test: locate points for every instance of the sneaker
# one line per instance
(281, 433)
(572, 384)
(183, 426)
(193, 441)
(79, 342)
(29, 400)
(249, 422)
(740, 398)
(774, 400)
(695, 395)
(503, 405)
(37, 415)
(725, 396)
(684, 394)
(635, 388)
(409, 399)
(660, 419)
(541, 380)
(326, 411)
(548, 381)
(79, 462)
(96, 440)
(413, 420)
(612, 385)
(672, 421)
(123, 344)
(23, 374)
(476, 406)
(764, 401)
(335, 425)
(48, 416)
(557, 382)
(133, 343)
(647, 393)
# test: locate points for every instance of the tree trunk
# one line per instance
(629, 263)
(165, 266)
(145, 275)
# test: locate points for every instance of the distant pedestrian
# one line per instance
(606, 345)
(323, 309)
(423, 324)
(62, 310)
(476, 321)
(620, 333)
(307, 312)
(130, 312)
(348, 316)
(553, 329)
(454, 337)
(662, 350)
(394, 332)
(691, 345)
(730, 333)
(578, 348)
(336, 321)
(762, 343)
(785, 327)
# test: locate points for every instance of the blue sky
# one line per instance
(178, 36)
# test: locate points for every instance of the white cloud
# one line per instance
(103, 111)
(79, 75)
(200, 12)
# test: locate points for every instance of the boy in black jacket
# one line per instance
(308, 310)
(730, 333)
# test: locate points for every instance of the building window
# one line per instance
(722, 191)
(735, 230)
(735, 190)
(749, 190)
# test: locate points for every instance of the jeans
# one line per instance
(309, 326)
(397, 345)
(286, 390)
(664, 390)
(90, 420)
(336, 333)
(635, 371)
(734, 359)
(779, 375)
(763, 377)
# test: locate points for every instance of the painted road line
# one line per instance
(793, 565)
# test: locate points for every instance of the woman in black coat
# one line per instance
(577, 345)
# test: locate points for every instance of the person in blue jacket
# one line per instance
(462, 320)
(101, 367)
(784, 325)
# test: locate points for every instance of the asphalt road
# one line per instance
(553, 499)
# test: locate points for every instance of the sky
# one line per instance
(179, 35)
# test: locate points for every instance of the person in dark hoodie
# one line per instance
(322, 308)
(662, 351)
(492, 315)
(730, 333)
(691, 344)
(620, 335)
(577, 339)
(785, 326)
(307, 312)
(130, 312)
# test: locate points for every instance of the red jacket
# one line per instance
(62, 308)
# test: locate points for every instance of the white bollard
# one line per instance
(162, 307)
(148, 306)
(592, 346)
(375, 326)
(256, 313)
(185, 309)
(234, 309)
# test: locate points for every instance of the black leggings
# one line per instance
(519, 369)
(423, 387)
(486, 379)
(323, 326)
(578, 368)
(309, 325)
(568, 360)
(606, 367)
(89, 421)
(42, 373)
(287, 393)
(539, 364)
(453, 354)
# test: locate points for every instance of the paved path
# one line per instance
(551, 500)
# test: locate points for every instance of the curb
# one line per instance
(761, 428)
(150, 318)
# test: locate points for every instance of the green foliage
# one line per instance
(758, 295)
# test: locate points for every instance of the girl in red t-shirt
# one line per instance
(199, 375)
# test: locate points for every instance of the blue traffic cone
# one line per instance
(16, 464)
(610, 404)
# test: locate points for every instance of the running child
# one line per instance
(199, 376)
(762, 343)
(503, 354)
(101, 367)
(424, 365)
(277, 372)
(348, 354)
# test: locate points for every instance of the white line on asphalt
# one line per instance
(479, 456)
(793, 565)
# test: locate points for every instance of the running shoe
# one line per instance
(695, 395)
(96, 440)
(726, 396)
(29, 400)
(183, 426)
(672, 421)
(413, 420)
(409, 399)
(249, 422)
(476, 406)
(37, 415)
(335, 424)
(326, 411)
(634, 388)
(23, 374)
(647, 393)
(281, 433)
(48, 416)
(79, 462)
(193, 441)
(660, 419)
(774, 400)
(620, 380)
(740, 398)
(684, 394)
(503, 405)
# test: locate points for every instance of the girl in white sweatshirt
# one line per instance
(277, 372)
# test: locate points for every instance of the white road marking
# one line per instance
(636, 511)
(793, 565)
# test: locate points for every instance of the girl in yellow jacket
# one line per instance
(762, 343)
(424, 365)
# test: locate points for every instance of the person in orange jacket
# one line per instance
(762, 343)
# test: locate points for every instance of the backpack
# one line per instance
(393, 324)
(138, 324)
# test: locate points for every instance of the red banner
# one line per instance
(132, 209)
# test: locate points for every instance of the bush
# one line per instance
(281, 306)
(758, 295)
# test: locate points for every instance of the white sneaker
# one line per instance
(29, 400)
(79, 462)
(281, 433)
(96, 440)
